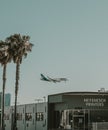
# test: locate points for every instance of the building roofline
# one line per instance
(80, 93)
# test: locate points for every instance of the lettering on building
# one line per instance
(96, 102)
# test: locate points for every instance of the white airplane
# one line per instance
(52, 79)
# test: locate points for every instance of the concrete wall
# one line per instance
(8, 118)
(28, 117)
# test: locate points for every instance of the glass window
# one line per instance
(19, 116)
(6, 116)
(39, 116)
(28, 116)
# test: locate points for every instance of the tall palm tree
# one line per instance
(20, 47)
(4, 59)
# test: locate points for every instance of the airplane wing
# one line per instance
(53, 80)
(63, 79)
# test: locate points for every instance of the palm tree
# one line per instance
(4, 59)
(20, 47)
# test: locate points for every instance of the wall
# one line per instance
(29, 117)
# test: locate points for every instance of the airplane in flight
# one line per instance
(55, 80)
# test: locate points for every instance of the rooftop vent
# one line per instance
(101, 90)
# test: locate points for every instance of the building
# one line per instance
(7, 99)
(78, 111)
(63, 111)
(7, 102)
(29, 117)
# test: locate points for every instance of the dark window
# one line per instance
(39, 116)
(6, 116)
(19, 116)
(28, 116)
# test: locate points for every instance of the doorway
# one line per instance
(75, 119)
(80, 119)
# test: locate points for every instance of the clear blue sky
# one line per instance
(70, 40)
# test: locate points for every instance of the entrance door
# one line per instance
(78, 122)
(80, 119)
(71, 119)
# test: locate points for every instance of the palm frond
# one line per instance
(19, 46)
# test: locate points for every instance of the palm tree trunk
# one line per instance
(16, 94)
(3, 94)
